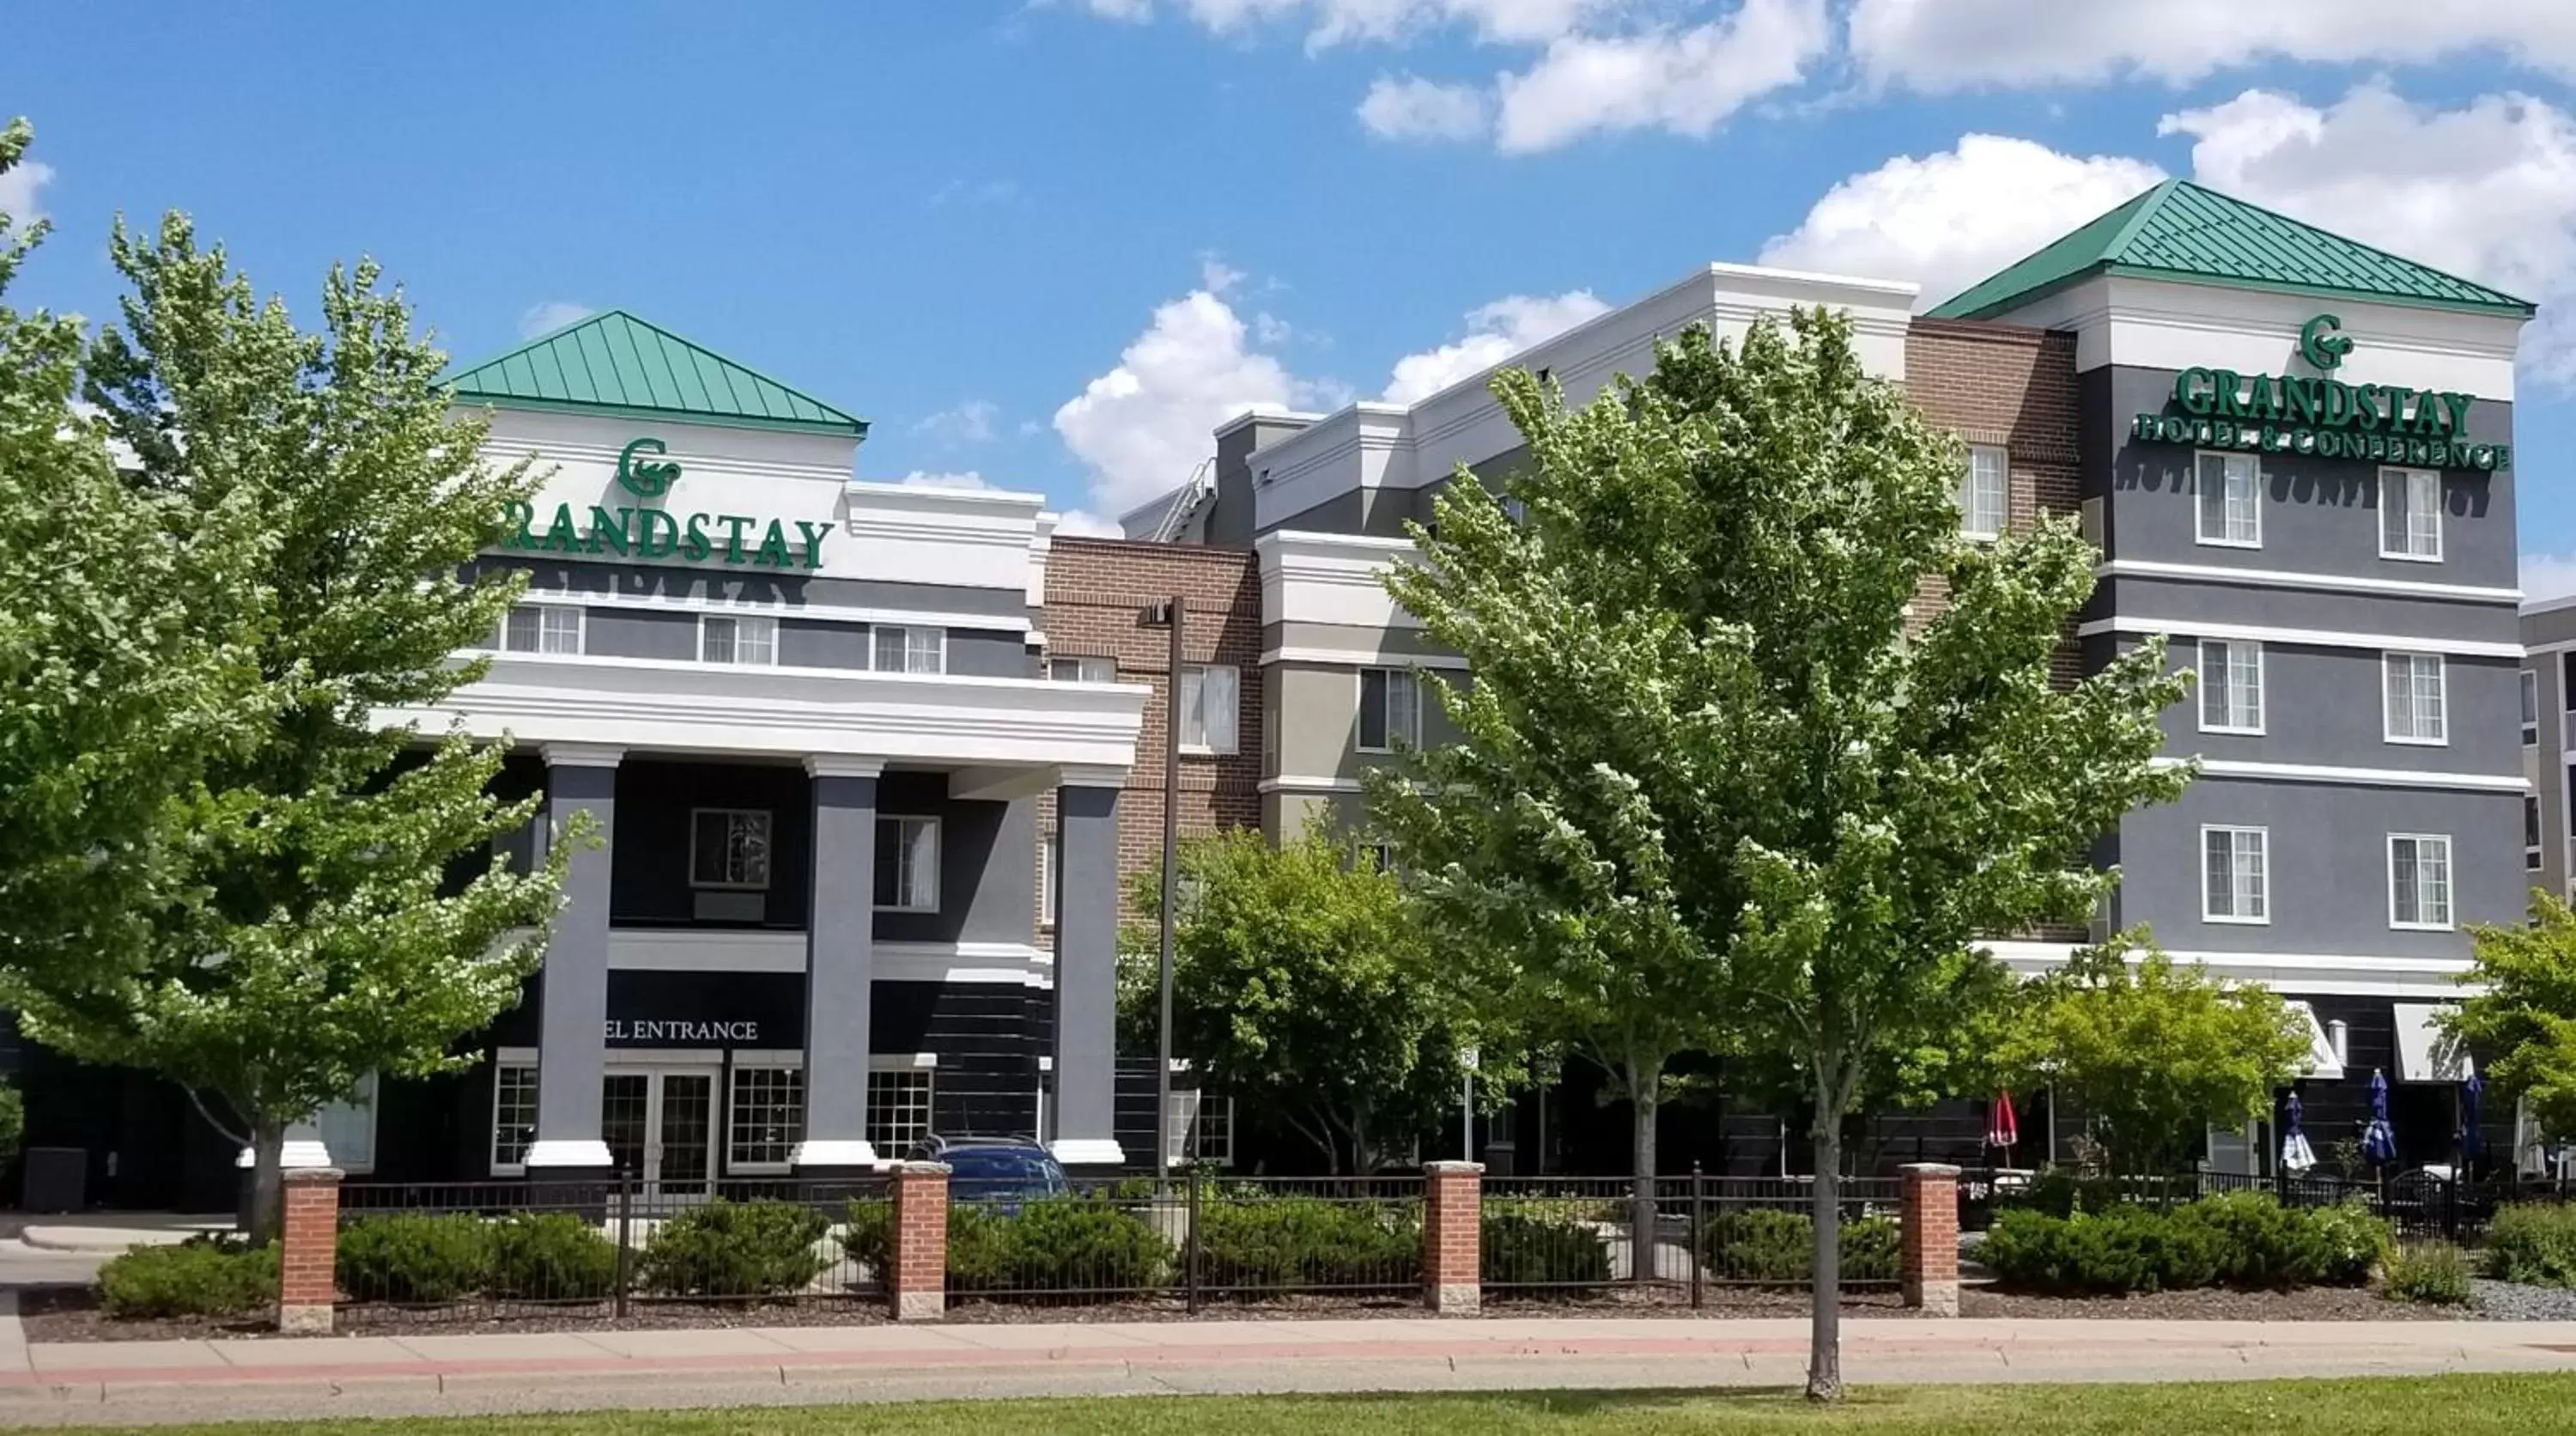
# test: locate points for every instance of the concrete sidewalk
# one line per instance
(58, 1384)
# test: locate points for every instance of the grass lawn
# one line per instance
(2453, 1405)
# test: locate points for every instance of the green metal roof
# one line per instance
(615, 363)
(2181, 231)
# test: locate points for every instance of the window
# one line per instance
(1083, 670)
(908, 864)
(746, 640)
(2230, 500)
(2414, 703)
(2530, 833)
(2231, 686)
(1378, 857)
(514, 1115)
(1984, 493)
(2419, 881)
(1208, 699)
(1214, 1133)
(542, 628)
(898, 1109)
(1050, 873)
(2410, 514)
(1390, 710)
(911, 650)
(2530, 708)
(348, 1128)
(2235, 882)
(728, 848)
(766, 1117)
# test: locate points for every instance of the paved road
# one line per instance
(139, 1382)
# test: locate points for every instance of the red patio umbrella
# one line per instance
(2001, 1128)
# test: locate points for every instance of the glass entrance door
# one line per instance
(659, 1125)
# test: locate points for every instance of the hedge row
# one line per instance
(2243, 1239)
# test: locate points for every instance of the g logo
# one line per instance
(2322, 341)
(646, 479)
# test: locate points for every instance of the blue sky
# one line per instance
(1050, 245)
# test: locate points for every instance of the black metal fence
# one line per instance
(1680, 1236)
(2419, 1205)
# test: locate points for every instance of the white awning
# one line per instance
(2322, 1061)
(2424, 1054)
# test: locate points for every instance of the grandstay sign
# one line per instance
(2325, 417)
(658, 533)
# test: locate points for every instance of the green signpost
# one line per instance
(2320, 416)
(657, 533)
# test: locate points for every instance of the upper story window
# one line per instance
(2410, 515)
(1985, 493)
(910, 650)
(907, 865)
(1082, 670)
(2229, 489)
(2236, 874)
(729, 848)
(2231, 686)
(2415, 706)
(2530, 708)
(1390, 710)
(2530, 833)
(542, 628)
(746, 640)
(2419, 880)
(1209, 696)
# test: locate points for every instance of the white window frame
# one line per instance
(2263, 855)
(492, 1148)
(2450, 884)
(2231, 647)
(1087, 668)
(362, 1101)
(733, 1118)
(1395, 741)
(2002, 493)
(1205, 747)
(888, 1141)
(2530, 708)
(938, 857)
(2407, 477)
(2442, 700)
(760, 623)
(543, 611)
(2200, 510)
(878, 633)
(1050, 874)
(768, 850)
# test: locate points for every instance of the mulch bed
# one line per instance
(2315, 1303)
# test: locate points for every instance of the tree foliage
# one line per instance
(339, 908)
(2154, 1053)
(2521, 1007)
(1297, 989)
(1725, 775)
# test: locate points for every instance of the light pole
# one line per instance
(1170, 614)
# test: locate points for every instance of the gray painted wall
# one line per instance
(672, 636)
(2326, 706)
(2188, 601)
(640, 633)
(987, 851)
(559, 577)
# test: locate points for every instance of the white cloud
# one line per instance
(924, 479)
(969, 423)
(1142, 427)
(1941, 45)
(1949, 219)
(2548, 575)
(1216, 276)
(963, 191)
(18, 190)
(1083, 523)
(1412, 108)
(552, 315)
(1683, 81)
(1495, 332)
(1336, 22)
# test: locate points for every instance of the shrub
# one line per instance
(2436, 1274)
(1307, 1241)
(1522, 1248)
(198, 1277)
(736, 1249)
(1778, 1245)
(979, 1247)
(1063, 1244)
(867, 1232)
(2355, 1242)
(551, 1256)
(2105, 1253)
(2533, 1243)
(413, 1257)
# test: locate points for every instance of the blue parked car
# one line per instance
(1000, 1172)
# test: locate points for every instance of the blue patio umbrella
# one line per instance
(2473, 1100)
(2297, 1157)
(2379, 1141)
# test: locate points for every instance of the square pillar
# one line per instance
(308, 1252)
(840, 928)
(1086, 972)
(916, 1274)
(1453, 1237)
(1928, 1220)
(572, 989)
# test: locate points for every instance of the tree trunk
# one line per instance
(1645, 1086)
(267, 1182)
(1825, 1353)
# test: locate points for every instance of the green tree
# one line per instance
(1723, 778)
(2154, 1053)
(2521, 1006)
(112, 697)
(342, 909)
(1296, 988)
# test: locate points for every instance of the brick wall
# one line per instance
(1098, 597)
(916, 1274)
(308, 1248)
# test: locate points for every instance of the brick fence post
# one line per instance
(1453, 1235)
(1929, 1219)
(308, 1251)
(916, 1275)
